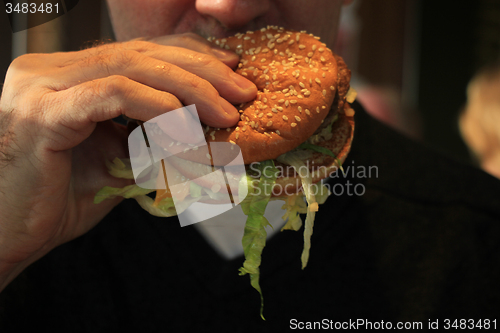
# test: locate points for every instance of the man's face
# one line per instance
(222, 18)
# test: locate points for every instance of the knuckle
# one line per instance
(124, 59)
(140, 45)
(205, 60)
(196, 82)
(112, 86)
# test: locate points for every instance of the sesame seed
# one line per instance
(314, 47)
(324, 68)
(322, 59)
(317, 109)
(324, 75)
(279, 108)
(274, 110)
(302, 85)
(324, 92)
(265, 100)
(257, 50)
(278, 132)
(281, 100)
(307, 93)
(293, 101)
(265, 50)
(323, 107)
(228, 129)
(293, 124)
(285, 118)
(262, 60)
(253, 41)
(287, 103)
(253, 58)
(318, 81)
(308, 112)
(291, 42)
(246, 38)
(285, 91)
(310, 54)
(244, 128)
(301, 46)
(321, 49)
(273, 97)
(300, 108)
(269, 123)
(297, 118)
(237, 135)
(261, 115)
(269, 135)
(232, 142)
(244, 73)
(332, 88)
(300, 96)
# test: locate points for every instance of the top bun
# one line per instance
(297, 78)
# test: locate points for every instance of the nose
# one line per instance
(233, 14)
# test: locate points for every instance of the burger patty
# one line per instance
(343, 87)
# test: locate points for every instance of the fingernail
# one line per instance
(228, 108)
(242, 82)
(223, 54)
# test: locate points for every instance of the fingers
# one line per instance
(194, 42)
(106, 98)
(161, 69)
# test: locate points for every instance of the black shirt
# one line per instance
(416, 240)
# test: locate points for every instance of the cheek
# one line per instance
(319, 17)
(151, 18)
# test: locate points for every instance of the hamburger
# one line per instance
(295, 133)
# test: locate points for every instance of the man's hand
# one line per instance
(56, 130)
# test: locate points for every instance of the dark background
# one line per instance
(448, 42)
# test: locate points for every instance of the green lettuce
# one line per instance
(254, 237)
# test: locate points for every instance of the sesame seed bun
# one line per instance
(300, 82)
(302, 86)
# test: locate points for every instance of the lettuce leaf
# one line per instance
(254, 237)
(130, 191)
(307, 187)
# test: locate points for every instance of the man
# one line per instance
(415, 246)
